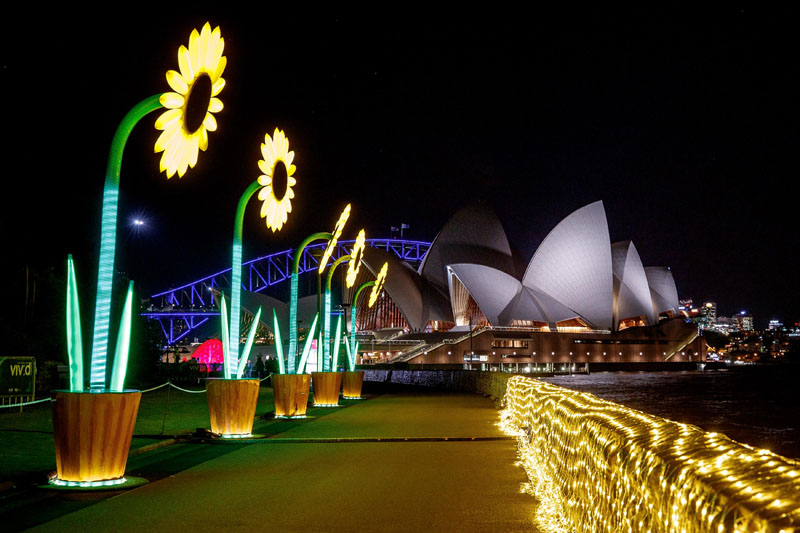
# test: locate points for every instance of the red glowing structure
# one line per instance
(209, 353)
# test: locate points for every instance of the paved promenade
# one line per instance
(326, 473)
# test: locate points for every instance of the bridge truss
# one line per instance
(181, 310)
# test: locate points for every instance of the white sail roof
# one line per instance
(573, 266)
(631, 291)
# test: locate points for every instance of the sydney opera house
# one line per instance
(471, 302)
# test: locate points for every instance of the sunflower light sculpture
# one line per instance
(180, 141)
(276, 154)
(83, 461)
(377, 284)
(326, 299)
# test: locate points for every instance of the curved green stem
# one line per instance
(292, 355)
(353, 323)
(232, 358)
(108, 237)
(326, 317)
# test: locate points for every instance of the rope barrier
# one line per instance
(144, 391)
(23, 404)
(156, 387)
(185, 390)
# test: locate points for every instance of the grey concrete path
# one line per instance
(280, 485)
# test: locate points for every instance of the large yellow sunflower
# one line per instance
(355, 258)
(337, 232)
(276, 152)
(189, 115)
(378, 287)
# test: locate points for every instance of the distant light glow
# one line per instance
(180, 141)
(378, 287)
(275, 150)
(356, 255)
(337, 232)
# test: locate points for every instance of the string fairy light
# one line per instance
(598, 466)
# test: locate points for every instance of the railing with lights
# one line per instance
(184, 308)
(599, 466)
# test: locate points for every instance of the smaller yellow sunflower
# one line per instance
(337, 232)
(378, 287)
(189, 115)
(355, 258)
(276, 155)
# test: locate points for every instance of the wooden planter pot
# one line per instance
(351, 384)
(291, 394)
(92, 433)
(326, 387)
(232, 405)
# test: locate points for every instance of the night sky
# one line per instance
(684, 123)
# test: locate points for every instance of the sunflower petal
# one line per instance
(168, 117)
(266, 169)
(217, 86)
(183, 160)
(211, 51)
(210, 122)
(193, 149)
(185, 64)
(176, 82)
(161, 142)
(219, 68)
(203, 142)
(202, 46)
(215, 105)
(290, 170)
(194, 52)
(269, 154)
(166, 138)
(289, 159)
(172, 100)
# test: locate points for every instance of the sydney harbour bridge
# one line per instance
(181, 310)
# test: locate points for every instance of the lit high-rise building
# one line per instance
(743, 321)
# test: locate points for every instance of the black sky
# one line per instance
(683, 122)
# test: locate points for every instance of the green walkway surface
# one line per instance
(330, 472)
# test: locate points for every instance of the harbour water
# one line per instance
(755, 405)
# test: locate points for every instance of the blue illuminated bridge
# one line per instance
(181, 310)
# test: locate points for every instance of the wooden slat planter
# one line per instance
(92, 433)
(291, 394)
(326, 387)
(351, 384)
(232, 405)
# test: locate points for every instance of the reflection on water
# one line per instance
(756, 405)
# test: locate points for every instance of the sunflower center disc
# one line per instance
(280, 180)
(197, 106)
